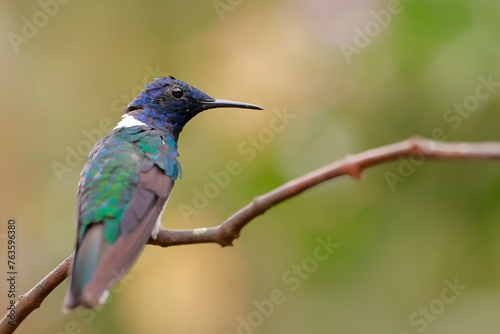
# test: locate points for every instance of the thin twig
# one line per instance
(225, 233)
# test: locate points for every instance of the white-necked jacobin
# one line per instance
(125, 185)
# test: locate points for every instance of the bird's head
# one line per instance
(170, 103)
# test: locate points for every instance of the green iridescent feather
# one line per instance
(111, 174)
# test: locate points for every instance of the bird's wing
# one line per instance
(124, 188)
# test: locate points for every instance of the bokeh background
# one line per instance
(350, 75)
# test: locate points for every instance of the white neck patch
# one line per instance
(128, 121)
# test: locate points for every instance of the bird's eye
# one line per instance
(177, 92)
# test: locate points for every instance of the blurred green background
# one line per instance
(351, 75)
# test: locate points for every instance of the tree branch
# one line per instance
(225, 233)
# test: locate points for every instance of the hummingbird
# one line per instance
(125, 185)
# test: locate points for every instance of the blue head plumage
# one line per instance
(168, 104)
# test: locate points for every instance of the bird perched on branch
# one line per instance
(125, 185)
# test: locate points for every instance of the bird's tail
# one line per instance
(85, 262)
(98, 265)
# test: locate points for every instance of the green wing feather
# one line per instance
(111, 175)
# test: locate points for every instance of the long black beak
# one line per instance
(218, 103)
